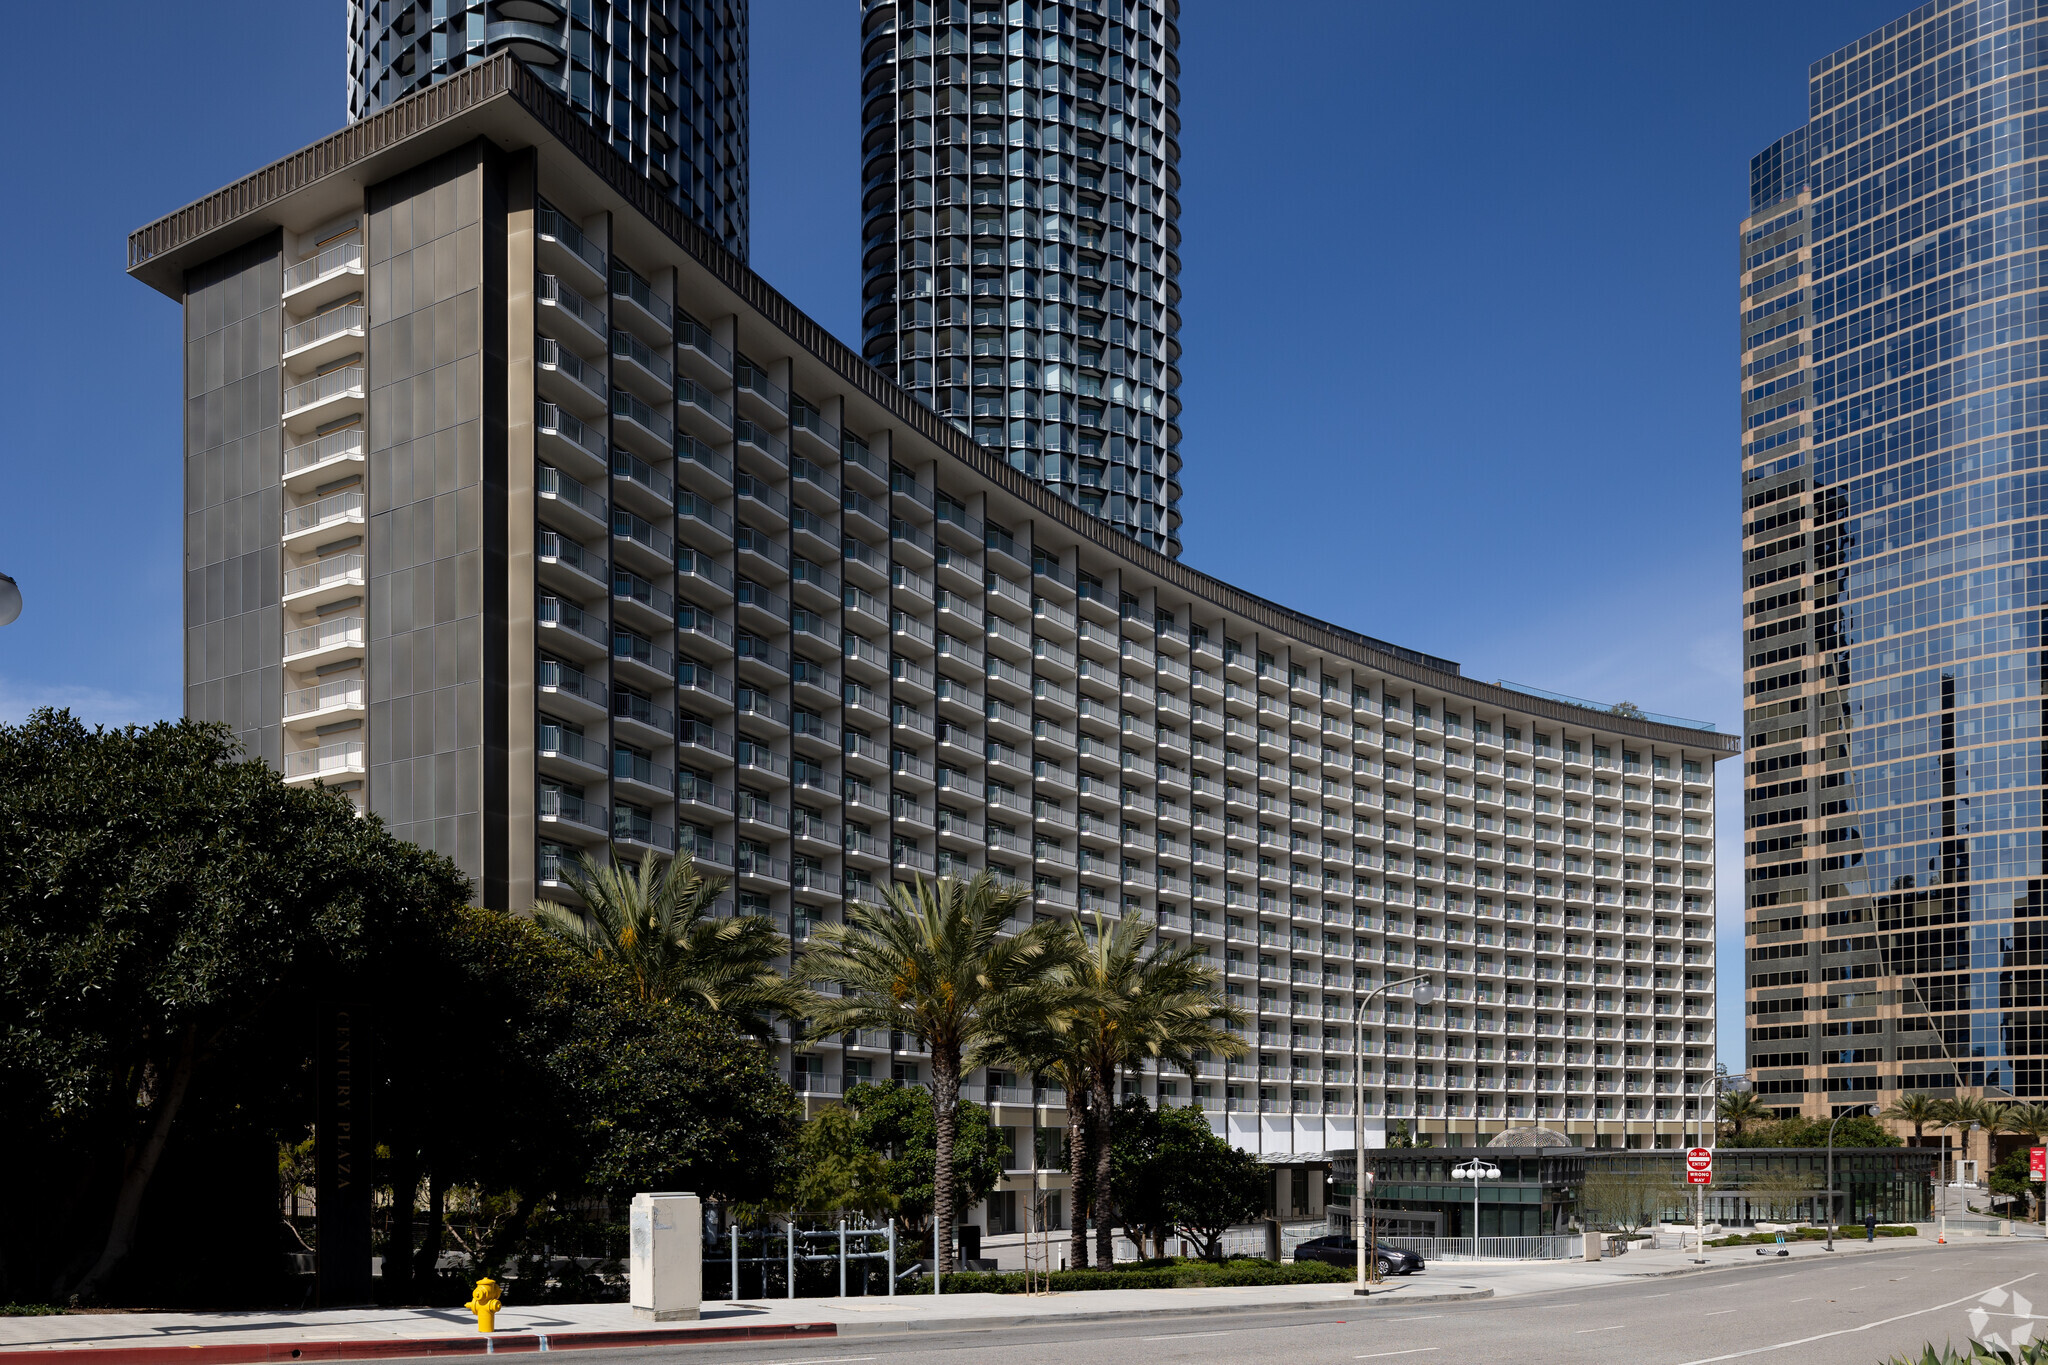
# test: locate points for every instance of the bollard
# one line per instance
(842, 1258)
(892, 1256)
(732, 1289)
(485, 1304)
(791, 1225)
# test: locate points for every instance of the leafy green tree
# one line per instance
(898, 1123)
(580, 1084)
(836, 1171)
(656, 924)
(1208, 1186)
(931, 962)
(2011, 1177)
(1858, 1131)
(165, 910)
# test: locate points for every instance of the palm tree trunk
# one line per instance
(1077, 1164)
(945, 1123)
(1102, 1099)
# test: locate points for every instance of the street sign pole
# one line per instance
(1699, 1172)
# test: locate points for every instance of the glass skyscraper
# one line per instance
(1020, 237)
(1893, 402)
(665, 81)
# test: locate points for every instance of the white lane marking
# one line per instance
(1175, 1336)
(1807, 1299)
(1854, 1288)
(1719, 1311)
(1657, 1296)
(1845, 1331)
(1411, 1351)
(828, 1360)
(1616, 1328)
(1423, 1317)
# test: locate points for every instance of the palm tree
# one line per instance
(1917, 1109)
(1043, 1045)
(1123, 1005)
(1162, 1005)
(659, 928)
(930, 961)
(1740, 1107)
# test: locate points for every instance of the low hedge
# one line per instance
(29, 1310)
(1847, 1231)
(1173, 1273)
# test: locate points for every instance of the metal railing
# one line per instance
(1563, 1247)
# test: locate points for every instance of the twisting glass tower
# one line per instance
(1020, 238)
(664, 80)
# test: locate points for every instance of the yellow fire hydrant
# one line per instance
(484, 1303)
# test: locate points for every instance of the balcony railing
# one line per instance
(328, 696)
(335, 569)
(332, 323)
(348, 380)
(345, 256)
(345, 756)
(331, 634)
(335, 445)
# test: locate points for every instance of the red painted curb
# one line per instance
(498, 1343)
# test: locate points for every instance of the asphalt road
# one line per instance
(1857, 1311)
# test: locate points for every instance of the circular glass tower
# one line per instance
(1020, 236)
(665, 81)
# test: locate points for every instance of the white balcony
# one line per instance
(324, 581)
(308, 708)
(328, 763)
(327, 335)
(336, 515)
(323, 459)
(325, 641)
(324, 398)
(325, 277)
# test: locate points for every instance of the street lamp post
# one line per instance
(1425, 993)
(1870, 1109)
(1475, 1170)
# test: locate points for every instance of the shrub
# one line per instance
(1843, 1230)
(1172, 1273)
(2034, 1353)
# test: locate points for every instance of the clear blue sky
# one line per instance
(1458, 316)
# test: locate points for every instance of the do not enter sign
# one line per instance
(1699, 1166)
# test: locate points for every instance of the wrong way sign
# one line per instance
(1699, 1165)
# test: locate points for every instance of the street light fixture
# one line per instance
(10, 600)
(1475, 1170)
(1857, 1111)
(1425, 994)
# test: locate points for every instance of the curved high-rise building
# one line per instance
(665, 81)
(1894, 409)
(1020, 236)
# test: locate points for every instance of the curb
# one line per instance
(245, 1352)
(875, 1329)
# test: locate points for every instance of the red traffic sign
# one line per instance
(1699, 1159)
(1699, 1177)
(2037, 1163)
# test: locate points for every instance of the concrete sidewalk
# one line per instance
(223, 1338)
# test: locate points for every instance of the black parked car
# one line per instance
(1343, 1251)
